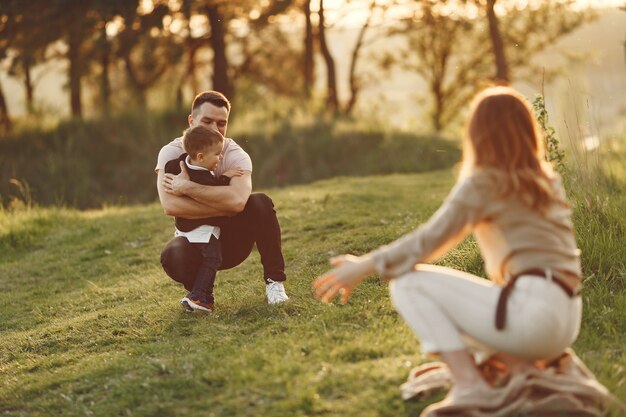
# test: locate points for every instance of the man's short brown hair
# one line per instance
(198, 138)
(214, 97)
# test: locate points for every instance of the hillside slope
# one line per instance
(91, 326)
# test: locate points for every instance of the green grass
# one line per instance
(90, 325)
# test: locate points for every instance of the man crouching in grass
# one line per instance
(252, 218)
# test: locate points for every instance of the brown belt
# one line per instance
(508, 288)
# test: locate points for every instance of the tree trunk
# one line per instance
(220, 79)
(331, 80)
(502, 70)
(188, 76)
(354, 83)
(437, 114)
(5, 120)
(28, 85)
(138, 86)
(191, 46)
(308, 61)
(105, 84)
(73, 55)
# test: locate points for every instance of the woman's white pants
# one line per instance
(451, 310)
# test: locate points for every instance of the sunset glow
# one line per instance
(345, 13)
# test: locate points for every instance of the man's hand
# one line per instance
(175, 184)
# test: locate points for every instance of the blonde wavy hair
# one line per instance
(501, 133)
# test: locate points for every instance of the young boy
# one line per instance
(203, 147)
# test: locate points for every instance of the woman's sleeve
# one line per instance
(461, 211)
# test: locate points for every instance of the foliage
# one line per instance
(436, 45)
(269, 51)
(111, 161)
(554, 154)
(325, 148)
(100, 332)
(453, 52)
(121, 54)
(86, 163)
(595, 182)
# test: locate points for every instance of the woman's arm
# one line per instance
(348, 272)
(444, 230)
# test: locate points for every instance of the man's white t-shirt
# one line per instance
(233, 157)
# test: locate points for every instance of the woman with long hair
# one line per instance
(509, 197)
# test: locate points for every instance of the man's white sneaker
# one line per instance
(275, 292)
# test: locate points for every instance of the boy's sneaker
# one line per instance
(275, 292)
(191, 304)
(184, 303)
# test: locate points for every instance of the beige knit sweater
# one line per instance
(512, 236)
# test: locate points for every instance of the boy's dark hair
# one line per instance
(196, 139)
(214, 97)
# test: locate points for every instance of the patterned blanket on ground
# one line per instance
(564, 386)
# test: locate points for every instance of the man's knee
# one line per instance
(179, 260)
(175, 252)
(260, 200)
(260, 204)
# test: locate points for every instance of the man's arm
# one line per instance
(181, 205)
(223, 200)
(210, 201)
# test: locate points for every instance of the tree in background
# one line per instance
(76, 32)
(47, 30)
(220, 78)
(308, 69)
(448, 52)
(529, 31)
(268, 54)
(69, 30)
(247, 44)
(502, 67)
(21, 65)
(6, 35)
(497, 44)
(455, 52)
(5, 120)
(74, 24)
(23, 45)
(146, 48)
(332, 101)
(355, 81)
(101, 52)
(192, 44)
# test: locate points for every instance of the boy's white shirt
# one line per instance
(201, 234)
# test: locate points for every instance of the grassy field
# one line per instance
(91, 326)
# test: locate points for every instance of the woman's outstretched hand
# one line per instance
(348, 272)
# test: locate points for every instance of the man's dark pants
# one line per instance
(257, 223)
